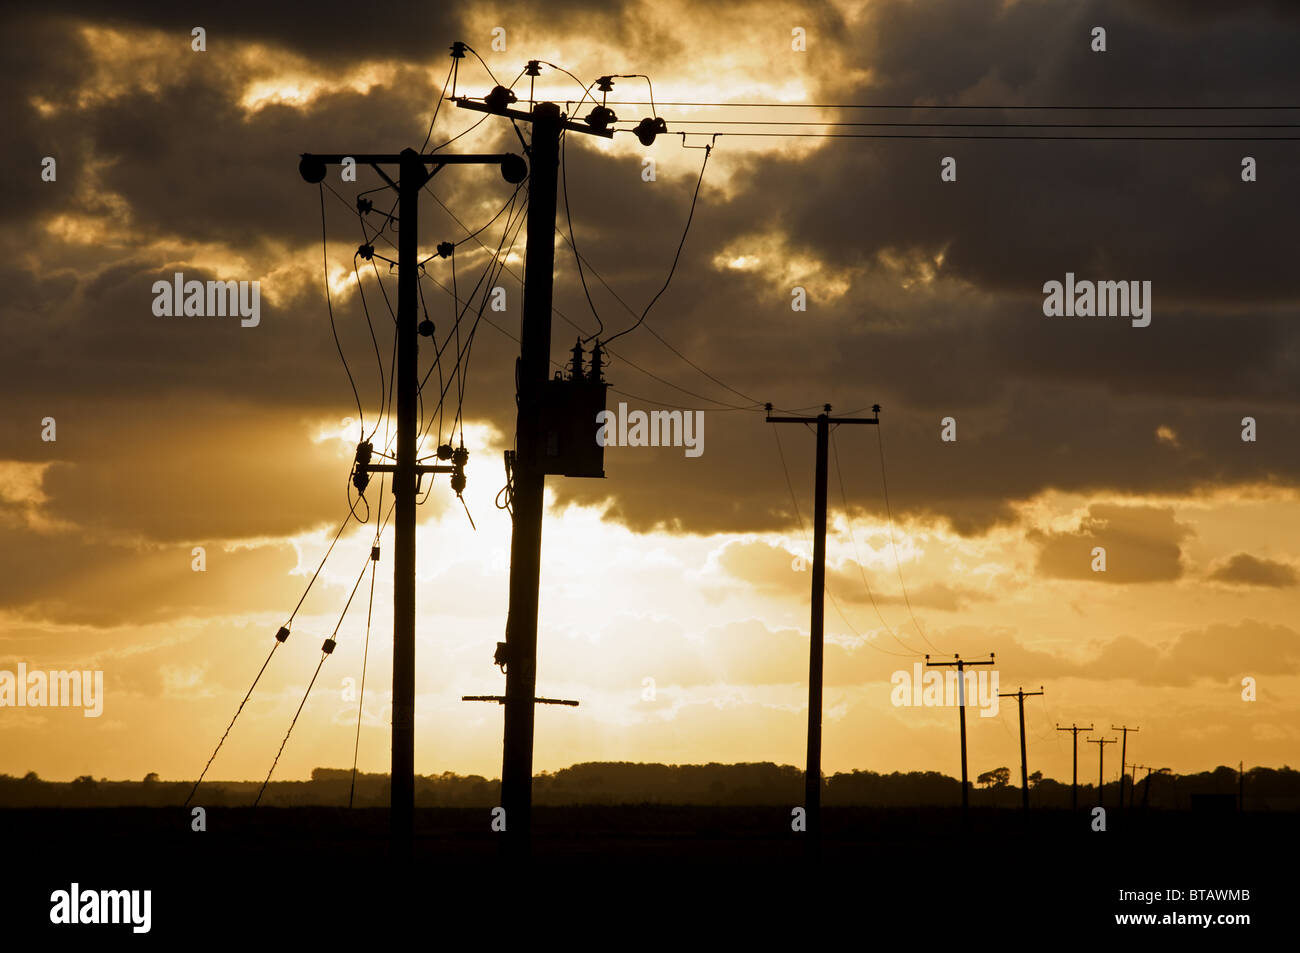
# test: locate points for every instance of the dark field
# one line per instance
(646, 872)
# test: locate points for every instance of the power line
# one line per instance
(1098, 108)
(330, 305)
(680, 245)
(573, 237)
(890, 135)
(327, 649)
(857, 553)
(884, 486)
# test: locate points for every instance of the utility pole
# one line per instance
(413, 172)
(961, 718)
(1074, 783)
(1020, 695)
(1241, 785)
(536, 455)
(1101, 760)
(812, 797)
(1123, 760)
(1146, 789)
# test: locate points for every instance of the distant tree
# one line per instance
(31, 777)
(85, 781)
(151, 777)
(1035, 779)
(997, 778)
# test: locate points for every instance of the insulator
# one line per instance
(374, 553)
(575, 368)
(445, 452)
(425, 328)
(597, 362)
(458, 50)
(283, 634)
(366, 251)
(445, 249)
(365, 206)
(458, 481)
(499, 99)
(602, 117)
(502, 655)
(328, 647)
(648, 128)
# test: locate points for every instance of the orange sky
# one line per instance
(677, 578)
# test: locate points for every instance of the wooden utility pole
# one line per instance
(961, 664)
(813, 772)
(1020, 696)
(1123, 760)
(1074, 783)
(413, 172)
(1101, 760)
(528, 476)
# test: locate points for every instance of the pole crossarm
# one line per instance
(501, 700)
(465, 102)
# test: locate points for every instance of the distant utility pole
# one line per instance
(1074, 783)
(1101, 760)
(1241, 785)
(813, 773)
(961, 719)
(413, 172)
(547, 418)
(1020, 695)
(1123, 760)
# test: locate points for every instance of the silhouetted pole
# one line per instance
(1074, 783)
(413, 172)
(528, 474)
(1241, 785)
(961, 720)
(812, 797)
(1123, 760)
(1020, 695)
(1101, 775)
(529, 482)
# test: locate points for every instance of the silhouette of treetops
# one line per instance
(625, 782)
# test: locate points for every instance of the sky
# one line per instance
(675, 592)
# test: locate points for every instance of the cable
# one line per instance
(756, 405)
(857, 553)
(329, 303)
(438, 105)
(691, 215)
(365, 656)
(573, 238)
(258, 678)
(361, 292)
(803, 530)
(890, 135)
(485, 66)
(325, 653)
(1099, 108)
(884, 486)
(982, 125)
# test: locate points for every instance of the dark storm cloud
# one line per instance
(1040, 402)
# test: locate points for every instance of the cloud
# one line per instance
(1142, 544)
(1244, 569)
